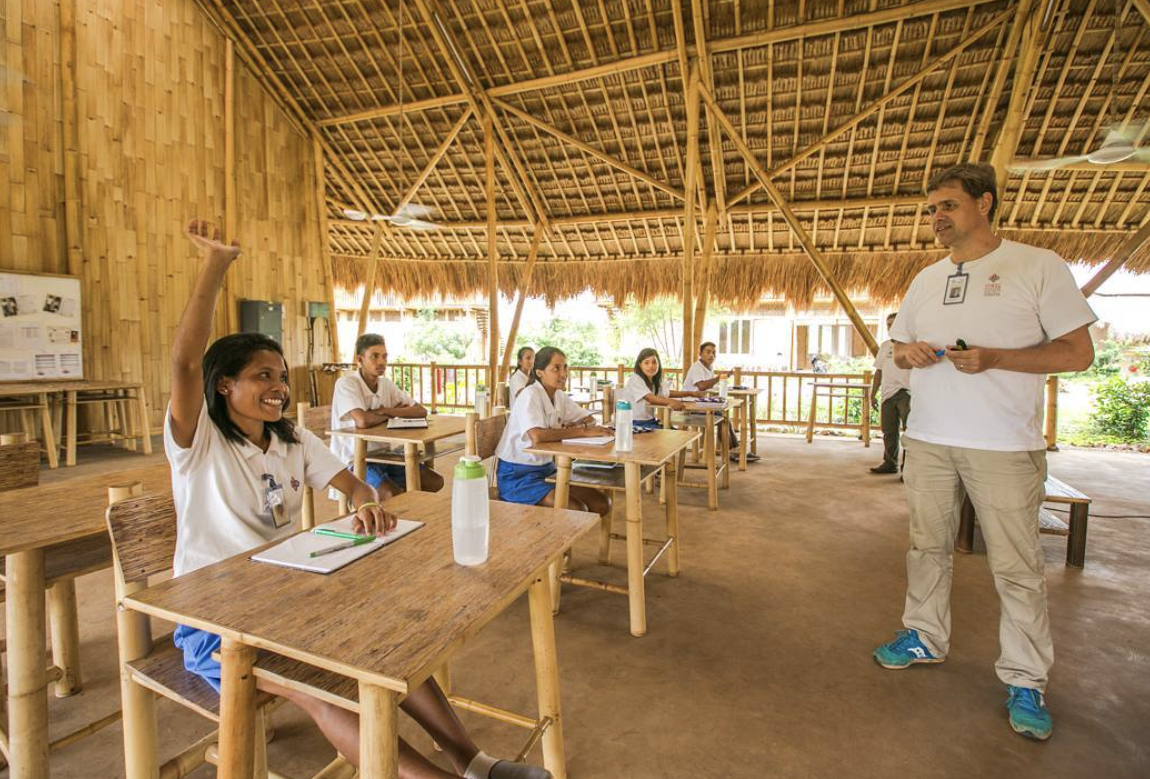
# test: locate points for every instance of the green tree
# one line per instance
(659, 321)
(1122, 408)
(578, 340)
(438, 341)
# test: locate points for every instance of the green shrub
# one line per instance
(1122, 408)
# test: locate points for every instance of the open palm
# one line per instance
(206, 238)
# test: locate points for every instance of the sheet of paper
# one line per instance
(598, 440)
(296, 551)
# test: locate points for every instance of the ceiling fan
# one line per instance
(1119, 146)
(412, 216)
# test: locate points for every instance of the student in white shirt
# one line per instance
(979, 330)
(524, 359)
(892, 384)
(702, 377)
(368, 398)
(543, 414)
(238, 468)
(645, 388)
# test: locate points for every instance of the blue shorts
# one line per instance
(648, 424)
(198, 646)
(377, 473)
(524, 483)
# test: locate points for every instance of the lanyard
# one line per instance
(955, 294)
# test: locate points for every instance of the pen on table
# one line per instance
(341, 547)
(327, 531)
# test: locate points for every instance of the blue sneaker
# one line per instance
(906, 650)
(1028, 713)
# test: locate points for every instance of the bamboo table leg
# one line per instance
(562, 497)
(65, 637)
(672, 515)
(70, 439)
(49, 436)
(237, 711)
(754, 424)
(865, 420)
(145, 428)
(378, 732)
(725, 461)
(811, 421)
(709, 462)
(360, 458)
(744, 433)
(635, 589)
(1076, 541)
(547, 675)
(411, 466)
(27, 682)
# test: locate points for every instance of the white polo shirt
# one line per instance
(696, 373)
(1016, 297)
(219, 489)
(352, 393)
(515, 383)
(534, 409)
(894, 378)
(635, 390)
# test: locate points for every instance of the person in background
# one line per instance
(368, 398)
(524, 359)
(645, 388)
(818, 365)
(700, 378)
(892, 384)
(980, 329)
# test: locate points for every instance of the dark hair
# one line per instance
(543, 358)
(519, 356)
(976, 178)
(225, 359)
(705, 344)
(366, 341)
(655, 383)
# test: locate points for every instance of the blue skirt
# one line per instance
(524, 483)
(198, 646)
(377, 473)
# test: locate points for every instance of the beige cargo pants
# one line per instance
(1006, 489)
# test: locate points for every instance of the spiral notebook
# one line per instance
(295, 552)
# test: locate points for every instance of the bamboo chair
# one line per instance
(483, 438)
(315, 420)
(142, 529)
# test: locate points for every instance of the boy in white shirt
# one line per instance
(892, 384)
(368, 398)
(701, 377)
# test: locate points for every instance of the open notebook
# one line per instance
(406, 423)
(295, 552)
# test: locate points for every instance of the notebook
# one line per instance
(406, 423)
(598, 440)
(295, 551)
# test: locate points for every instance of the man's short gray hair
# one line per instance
(976, 179)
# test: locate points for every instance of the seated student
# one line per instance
(524, 359)
(645, 388)
(237, 468)
(544, 414)
(368, 398)
(700, 378)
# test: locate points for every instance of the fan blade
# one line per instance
(1143, 154)
(415, 211)
(419, 224)
(1054, 163)
(354, 214)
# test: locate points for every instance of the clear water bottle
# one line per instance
(623, 432)
(470, 516)
(723, 387)
(481, 401)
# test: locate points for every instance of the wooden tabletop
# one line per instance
(389, 618)
(63, 385)
(36, 517)
(438, 427)
(653, 448)
(695, 406)
(746, 392)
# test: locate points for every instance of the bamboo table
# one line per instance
(848, 391)
(124, 395)
(748, 423)
(29, 397)
(66, 518)
(438, 428)
(389, 645)
(659, 448)
(718, 473)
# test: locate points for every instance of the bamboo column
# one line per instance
(692, 166)
(71, 130)
(369, 282)
(492, 256)
(1008, 52)
(226, 313)
(705, 272)
(1029, 53)
(815, 255)
(324, 244)
(524, 289)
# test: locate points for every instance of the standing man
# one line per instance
(895, 392)
(979, 331)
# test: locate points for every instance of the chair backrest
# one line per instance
(314, 419)
(19, 465)
(143, 531)
(483, 434)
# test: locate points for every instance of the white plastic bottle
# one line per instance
(723, 387)
(623, 433)
(470, 516)
(481, 401)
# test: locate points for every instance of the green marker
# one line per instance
(327, 531)
(341, 547)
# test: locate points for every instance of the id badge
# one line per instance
(955, 289)
(274, 504)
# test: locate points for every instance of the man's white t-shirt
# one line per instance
(696, 373)
(534, 409)
(351, 393)
(515, 384)
(1016, 297)
(635, 390)
(221, 490)
(894, 378)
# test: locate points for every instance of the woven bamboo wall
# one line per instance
(150, 88)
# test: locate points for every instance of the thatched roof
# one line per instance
(609, 76)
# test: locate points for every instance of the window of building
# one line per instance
(735, 336)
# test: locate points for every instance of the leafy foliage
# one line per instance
(578, 340)
(439, 341)
(1123, 409)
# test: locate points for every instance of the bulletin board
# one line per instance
(40, 327)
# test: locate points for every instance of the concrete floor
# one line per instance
(757, 660)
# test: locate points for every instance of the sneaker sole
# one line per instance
(933, 661)
(1030, 734)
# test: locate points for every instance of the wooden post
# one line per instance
(325, 245)
(471, 447)
(369, 282)
(492, 254)
(547, 674)
(411, 466)
(705, 272)
(1029, 53)
(634, 535)
(1052, 413)
(70, 125)
(815, 255)
(237, 710)
(378, 743)
(692, 164)
(226, 313)
(65, 622)
(524, 290)
(27, 701)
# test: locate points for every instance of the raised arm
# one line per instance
(191, 337)
(659, 400)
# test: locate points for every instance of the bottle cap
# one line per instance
(623, 405)
(470, 467)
